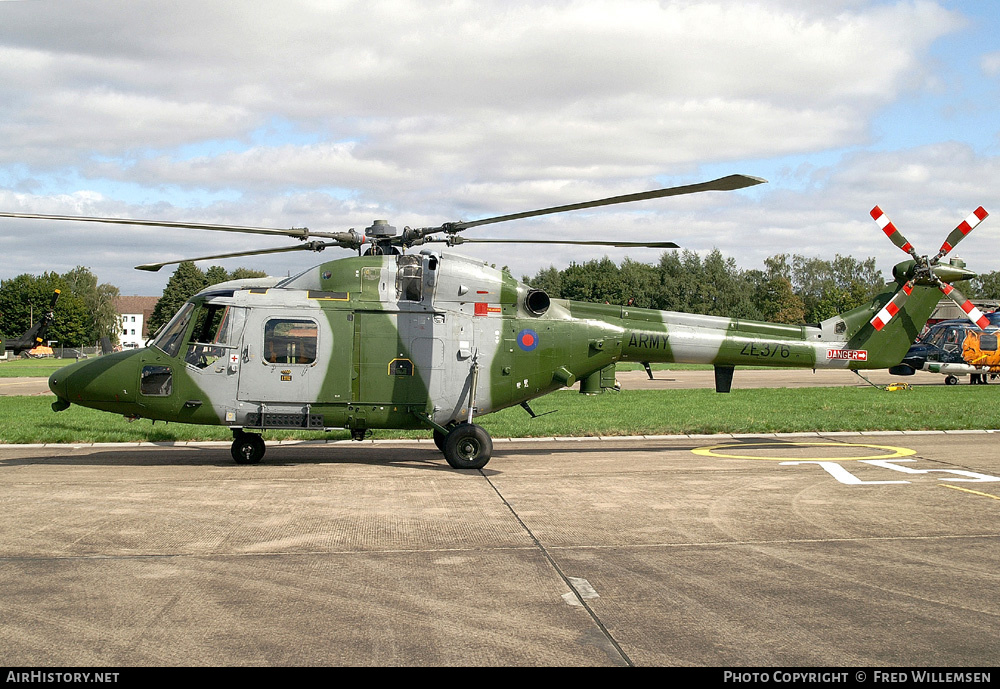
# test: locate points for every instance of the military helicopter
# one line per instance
(389, 339)
(955, 348)
(33, 336)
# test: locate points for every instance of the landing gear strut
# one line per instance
(248, 448)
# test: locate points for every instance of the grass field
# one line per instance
(32, 368)
(634, 412)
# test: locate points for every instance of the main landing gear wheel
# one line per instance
(951, 380)
(248, 448)
(439, 439)
(468, 446)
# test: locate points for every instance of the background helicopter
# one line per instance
(432, 340)
(955, 348)
(33, 336)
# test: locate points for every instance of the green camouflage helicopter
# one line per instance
(388, 339)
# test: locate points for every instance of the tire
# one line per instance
(439, 439)
(248, 448)
(468, 446)
(951, 380)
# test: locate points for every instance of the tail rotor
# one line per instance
(923, 270)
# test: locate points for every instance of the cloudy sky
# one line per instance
(331, 114)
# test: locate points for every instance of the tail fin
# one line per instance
(888, 345)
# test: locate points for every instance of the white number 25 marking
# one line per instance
(844, 476)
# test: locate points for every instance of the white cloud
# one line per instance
(591, 69)
(423, 113)
(990, 64)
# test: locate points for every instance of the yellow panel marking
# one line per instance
(347, 298)
(888, 452)
(389, 368)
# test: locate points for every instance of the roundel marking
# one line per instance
(527, 340)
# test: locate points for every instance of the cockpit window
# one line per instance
(156, 381)
(935, 337)
(217, 329)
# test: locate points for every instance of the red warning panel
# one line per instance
(484, 309)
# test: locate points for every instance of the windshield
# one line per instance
(169, 341)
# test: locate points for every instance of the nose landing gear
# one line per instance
(248, 448)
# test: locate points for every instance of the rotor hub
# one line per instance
(380, 229)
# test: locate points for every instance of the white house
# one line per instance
(133, 314)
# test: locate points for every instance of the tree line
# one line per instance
(86, 310)
(187, 280)
(789, 289)
(84, 313)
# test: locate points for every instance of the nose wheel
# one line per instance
(467, 446)
(248, 448)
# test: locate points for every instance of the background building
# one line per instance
(134, 313)
(948, 310)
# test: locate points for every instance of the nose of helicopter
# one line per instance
(59, 387)
(104, 383)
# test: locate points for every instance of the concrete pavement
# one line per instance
(865, 550)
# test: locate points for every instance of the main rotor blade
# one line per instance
(959, 233)
(642, 245)
(882, 220)
(300, 232)
(311, 246)
(970, 310)
(729, 183)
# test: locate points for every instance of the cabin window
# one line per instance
(156, 381)
(290, 341)
(988, 342)
(409, 278)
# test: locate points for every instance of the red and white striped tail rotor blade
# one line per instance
(882, 220)
(971, 312)
(964, 228)
(893, 307)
